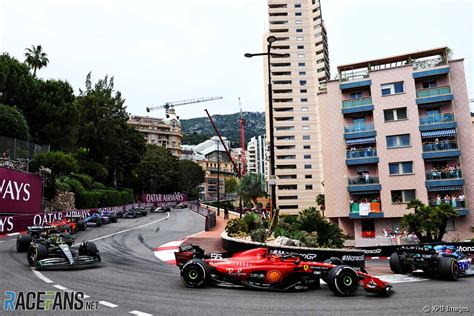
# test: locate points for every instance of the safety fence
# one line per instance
(208, 214)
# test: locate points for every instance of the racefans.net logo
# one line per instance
(47, 301)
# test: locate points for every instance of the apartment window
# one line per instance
(288, 207)
(306, 137)
(303, 91)
(300, 46)
(306, 146)
(302, 73)
(403, 196)
(304, 109)
(395, 114)
(398, 141)
(396, 168)
(301, 64)
(300, 55)
(297, 13)
(307, 166)
(304, 99)
(356, 95)
(308, 176)
(297, 5)
(309, 187)
(305, 128)
(305, 118)
(288, 197)
(430, 84)
(392, 88)
(299, 21)
(307, 156)
(299, 38)
(287, 187)
(299, 30)
(303, 82)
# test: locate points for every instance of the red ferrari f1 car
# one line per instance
(260, 269)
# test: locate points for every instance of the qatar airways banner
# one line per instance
(20, 192)
(161, 199)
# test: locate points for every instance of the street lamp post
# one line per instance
(240, 177)
(218, 181)
(269, 54)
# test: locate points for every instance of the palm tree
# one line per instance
(36, 58)
(250, 187)
(321, 201)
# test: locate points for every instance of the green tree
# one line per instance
(321, 202)
(251, 187)
(13, 123)
(157, 172)
(190, 176)
(428, 223)
(231, 185)
(329, 234)
(36, 58)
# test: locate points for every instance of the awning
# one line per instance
(368, 140)
(446, 188)
(440, 133)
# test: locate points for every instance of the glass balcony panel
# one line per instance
(354, 128)
(424, 93)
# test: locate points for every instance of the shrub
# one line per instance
(310, 239)
(87, 199)
(62, 186)
(253, 220)
(236, 226)
(97, 186)
(75, 185)
(259, 235)
(84, 179)
(329, 234)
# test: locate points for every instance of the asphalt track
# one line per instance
(132, 281)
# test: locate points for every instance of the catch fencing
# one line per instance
(209, 214)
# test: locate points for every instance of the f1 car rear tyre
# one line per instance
(448, 268)
(81, 225)
(23, 242)
(195, 273)
(36, 253)
(343, 280)
(397, 266)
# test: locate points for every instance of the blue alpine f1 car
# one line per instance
(443, 261)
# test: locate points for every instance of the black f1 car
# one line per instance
(260, 269)
(442, 261)
(161, 209)
(50, 249)
(135, 212)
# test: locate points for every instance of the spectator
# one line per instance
(226, 212)
(438, 199)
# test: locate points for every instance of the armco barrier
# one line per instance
(205, 211)
(352, 257)
(386, 251)
(17, 223)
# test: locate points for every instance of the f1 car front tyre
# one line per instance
(36, 253)
(195, 273)
(448, 268)
(23, 242)
(343, 280)
(333, 260)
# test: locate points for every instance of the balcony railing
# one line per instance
(423, 93)
(356, 102)
(428, 63)
(354, 128)
(364, 179)
(440, 146)
(354, 75)
(369, 207)
(361, 153)
(455, 173)
(455, 203)
(436, 119)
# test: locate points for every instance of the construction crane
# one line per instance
(242, 141)
(169, 105)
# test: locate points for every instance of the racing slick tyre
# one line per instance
(37, 252)
(23, 242)
(343, 280)
(448, 268)
(397, 266)
(332, 260)
(81, 225)
(195, 273)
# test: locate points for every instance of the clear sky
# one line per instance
(160, 51)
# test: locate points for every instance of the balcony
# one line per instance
(357, 105)
(361, 156)
(359, 131)
(421, 74)
(365, 210)
(434, 95)
(364, 183)
(437, 122)
(441, 149)
(437, 178)
(458, 205)
(356, 84)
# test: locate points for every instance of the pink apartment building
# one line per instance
(395, 129)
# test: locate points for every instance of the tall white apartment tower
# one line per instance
(299, 29)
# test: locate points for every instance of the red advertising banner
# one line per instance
(160, 199)
(20, 192)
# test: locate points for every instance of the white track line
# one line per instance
(60, 287)
(41, 276)
(140, 313)
(108, 304)
(13, 234)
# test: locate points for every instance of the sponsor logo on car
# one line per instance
(274, 276)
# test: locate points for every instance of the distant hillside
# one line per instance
(199, 129)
